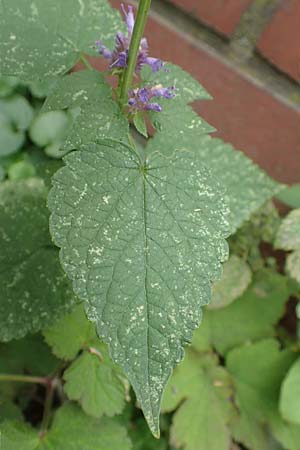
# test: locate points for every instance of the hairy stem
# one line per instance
(24, 379)
(137, 34)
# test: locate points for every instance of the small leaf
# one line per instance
(35, 289)
(97, 114)
(290, 196)
(290, 395)
(70, 334)
(21, 170)
(293, 265)
(235, 279)
(71, 430)
(288, 236)
(251, 317)
(258, 371)
(140, 124)
(93, 380)
(46, 38)
(10, 140)
(18, 111)
(18, 435)
(128, 254)
(9, 411)
(202, 390)
(49, 127)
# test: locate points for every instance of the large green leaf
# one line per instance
(258, 371)
(142, 242)
(35, 291)
(44, 38)
(247, 186)
(290, 394)
(71, 430)
(96, 114)
(249, 318)
(202, 390)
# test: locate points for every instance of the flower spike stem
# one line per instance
(138, 31)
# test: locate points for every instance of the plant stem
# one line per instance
(137, 34)
(24, 379)
(87, 64)
(48, 404)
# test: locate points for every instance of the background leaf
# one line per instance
(235, 279)
(70, 334)
(258, 371)
(288, 236)
(35, 289)
(290, 395)
(95, 382)
(45, 38)
(202, 390)
(249, 318)
(71, 430)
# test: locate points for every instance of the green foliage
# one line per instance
(94, 381)
(45, 38)
(235, 279)
(288, 238)
(203, 390)
(141, 263)
(70, 334)
(290, 395)
(95, 114)
(258, 371)
(15, 117)
(71, 430)
(249, 318)
(28, 256)
(141, 234)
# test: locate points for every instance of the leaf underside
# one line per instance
(142, 242)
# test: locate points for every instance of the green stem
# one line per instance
(138, 31)
(87, 64)
(24, 379)
(48, 405)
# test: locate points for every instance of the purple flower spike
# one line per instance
(129, 18)
(140, 99)
(119, 56)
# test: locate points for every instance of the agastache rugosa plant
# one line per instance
(141, 230)
(139, 98)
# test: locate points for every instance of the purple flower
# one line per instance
(140, 99)
(119, 56)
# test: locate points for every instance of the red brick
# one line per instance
(245, 114)
(280, 42)
(222, 15)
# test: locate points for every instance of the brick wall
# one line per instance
(246, 53)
